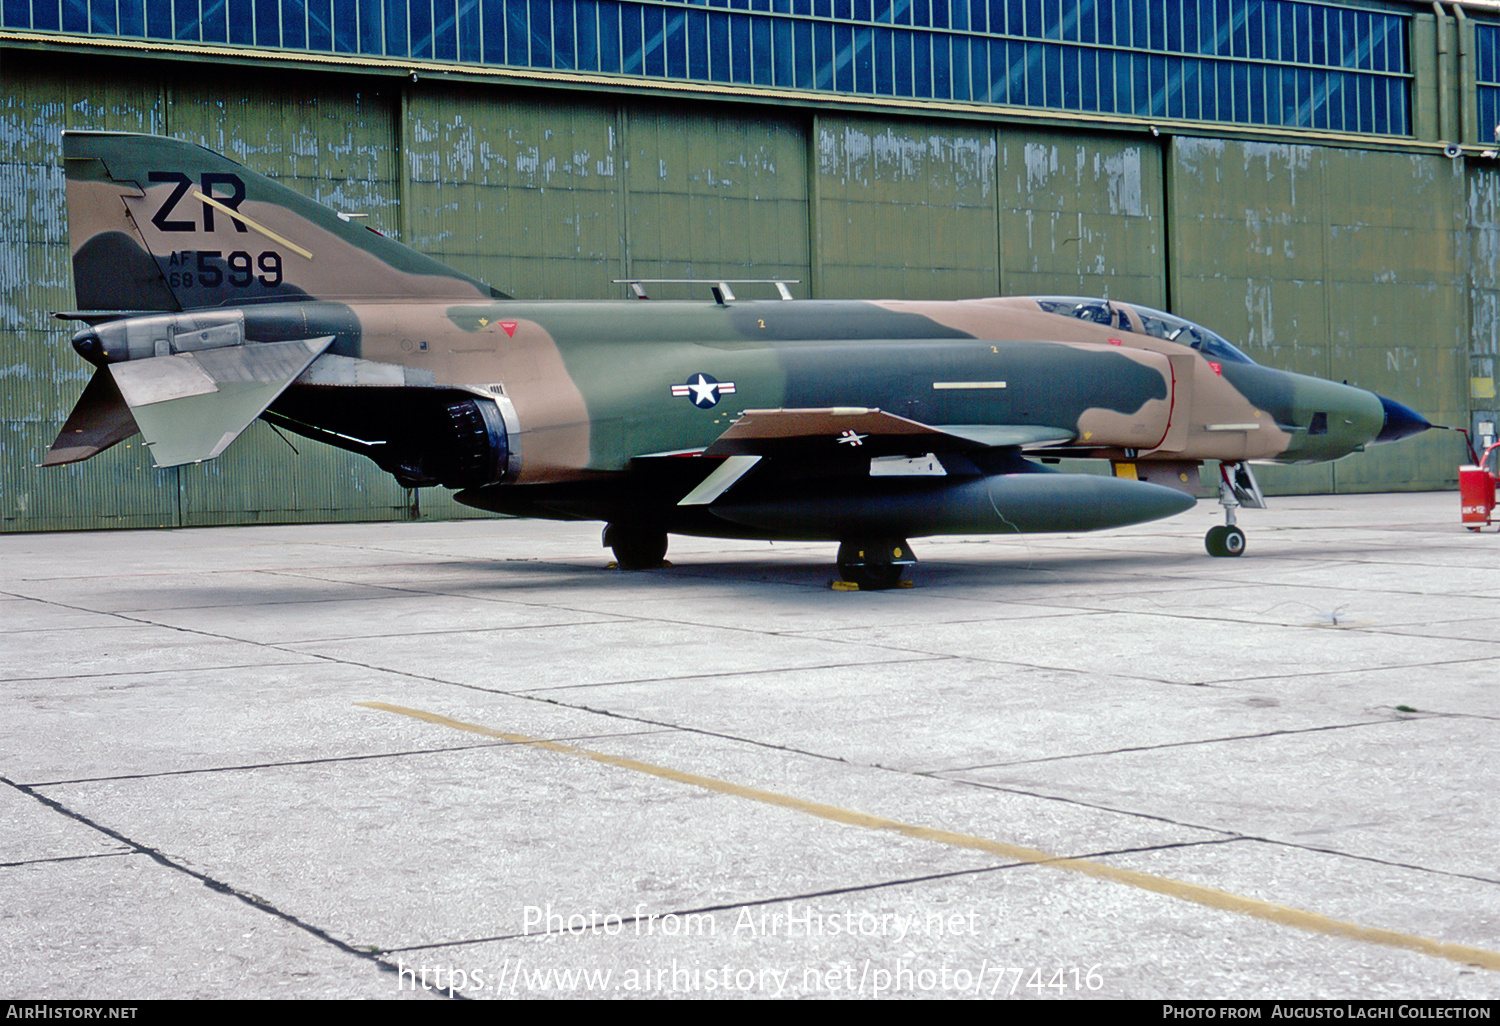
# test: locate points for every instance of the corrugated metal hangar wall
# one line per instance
(1374, 262)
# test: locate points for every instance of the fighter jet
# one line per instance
(211, 296)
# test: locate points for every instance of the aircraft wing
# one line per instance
(870, 431)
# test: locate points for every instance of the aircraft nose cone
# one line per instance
(1400, 422)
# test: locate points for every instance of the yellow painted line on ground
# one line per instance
(1209, 897)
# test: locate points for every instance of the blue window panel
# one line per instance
(267, 23)
(564, 40)
(102, 16)
(864, 60)
(942, 66)
(921, 13)
(492, 29)
(1489, 113)
(185, 19)
(823, 56)
(843, 10)
(1006, 17)
(1040, 20)
(586, 20)
(1171, 31)
(921, 65)
(958, 14)
(1072, 98)
(863, 11)
(419, 22)
(1241, 79)
(784, 54)
(674, 43)
(345, 23)
(901, 13)
(1112, 24)
(610, 39)
(395, 28)
(632, 59)
(540, 36)
(1067, 20)
(1254, 33)
(17, 14)
(979, 69)
(1088, 22)
(467, 32)
(1391, 32)
(213, 23)
(1141, 94)
(319, 25)
(1120, 83)
(1290, 43)
(1286, 98)
(762, 67)
(763, 6)
(1104, 81)
(158, 18)
(653, 37)
(718, 47)
(885, 72)
(132, 18)
(371, 24)
(739, 49)
(294, 25)
(843, 58)
(1172, 100)
(901, 64)
(979, 16)
(1317, 43)
(1052, 76)
(823, 8)
(881, 12)
(697, 45)
(517, 33)
(1188, 88)
(239, 15)
(1256, 75)
(1001, 62)
(75, 16)
(961, 63)
(802, 47)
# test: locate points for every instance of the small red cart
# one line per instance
(1476, 489)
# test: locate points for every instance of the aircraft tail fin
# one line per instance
(157, 224)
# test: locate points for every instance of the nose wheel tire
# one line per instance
(1225, 541)
(636, 548)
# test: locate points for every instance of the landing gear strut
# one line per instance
(1237, 487)
(636, 547)
(874, 563)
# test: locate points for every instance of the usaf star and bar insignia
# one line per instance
(704, 390)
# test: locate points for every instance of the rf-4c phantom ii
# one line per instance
(212, 296)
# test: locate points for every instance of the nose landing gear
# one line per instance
(1237, 488)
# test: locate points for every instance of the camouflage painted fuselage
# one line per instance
(215, 295)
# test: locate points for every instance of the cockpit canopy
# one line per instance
(1146, 321)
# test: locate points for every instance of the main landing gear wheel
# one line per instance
(1225, 540)
(874, 565)
(636, 548)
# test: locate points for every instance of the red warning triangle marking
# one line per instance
(510, 328)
